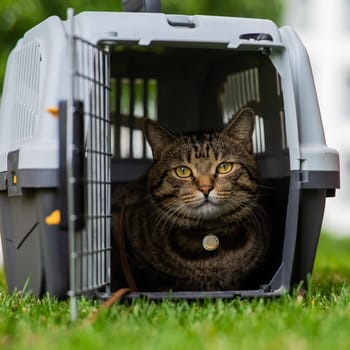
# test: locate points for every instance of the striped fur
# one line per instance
(167, 216)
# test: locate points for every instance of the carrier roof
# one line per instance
(147, 28)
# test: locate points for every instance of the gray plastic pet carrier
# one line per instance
(74, 94)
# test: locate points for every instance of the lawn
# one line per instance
(320, 320)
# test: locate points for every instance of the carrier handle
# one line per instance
(141, 5)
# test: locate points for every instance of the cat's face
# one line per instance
(204, 176)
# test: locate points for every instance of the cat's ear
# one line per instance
(157, 137)
(241, 127)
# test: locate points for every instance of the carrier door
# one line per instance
(86, 188)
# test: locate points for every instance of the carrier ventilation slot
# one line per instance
(240, 89)
(132, 99)
(256, 36)
(26, 80)
(283, 131)
(258, 137)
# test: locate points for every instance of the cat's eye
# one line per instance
(183, 171)
(224, 167)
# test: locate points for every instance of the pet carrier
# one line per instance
(74, 94)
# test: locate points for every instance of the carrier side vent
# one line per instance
(283, 131)
(258, 135)
(132, 99)
(26, 103)
(239, 89)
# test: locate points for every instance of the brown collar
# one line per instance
(130, 280)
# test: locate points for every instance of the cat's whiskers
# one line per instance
(251, 208)
(166, 216)
(164, 219)
(237, 207)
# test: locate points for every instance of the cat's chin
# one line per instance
(206, 210)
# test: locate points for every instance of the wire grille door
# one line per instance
(91, 81)
(89, 229)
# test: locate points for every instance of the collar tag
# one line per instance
(210, 242)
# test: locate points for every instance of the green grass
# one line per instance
(319, 320)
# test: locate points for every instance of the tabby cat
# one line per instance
(195, 222)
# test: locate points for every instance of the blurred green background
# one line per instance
(17, 16)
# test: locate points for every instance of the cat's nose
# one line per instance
(205, 189)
